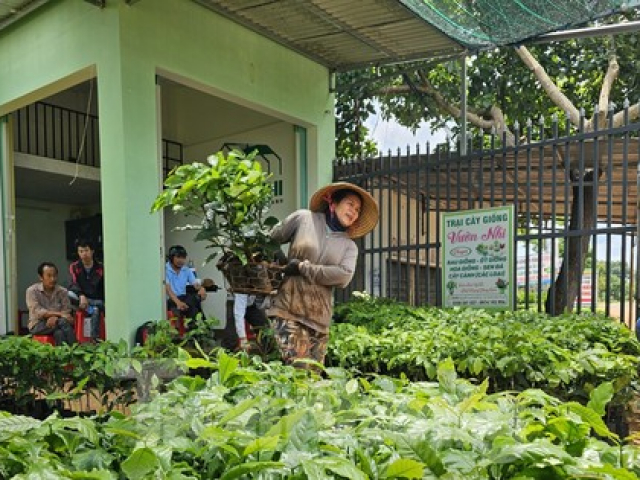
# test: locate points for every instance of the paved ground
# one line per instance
(615, 311)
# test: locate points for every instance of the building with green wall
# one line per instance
(150, 75)
(100, 98)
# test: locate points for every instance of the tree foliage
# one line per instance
(498, 81)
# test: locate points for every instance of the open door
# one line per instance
(8, 299)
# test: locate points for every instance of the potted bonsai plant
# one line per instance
(230, 197)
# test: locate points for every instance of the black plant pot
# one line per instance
(39, 409)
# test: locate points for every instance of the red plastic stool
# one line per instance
(45, 339)
(177, 323)
(79, 327)
(250, 332)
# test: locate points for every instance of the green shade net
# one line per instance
(485, 23)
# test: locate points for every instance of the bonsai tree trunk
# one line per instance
(564, 291)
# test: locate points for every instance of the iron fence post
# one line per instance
(637, 292)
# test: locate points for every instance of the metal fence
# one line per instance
(172, 156)
(574, 193)
(57, 132)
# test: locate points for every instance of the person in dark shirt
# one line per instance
(87, 284)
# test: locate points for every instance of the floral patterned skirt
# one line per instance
(298, 342)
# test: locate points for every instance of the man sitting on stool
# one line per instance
(49, 307)
(87, 284)
(177, 277)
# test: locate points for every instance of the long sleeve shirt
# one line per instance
(328, 260)
(39, 302)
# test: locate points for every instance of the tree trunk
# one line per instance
(563, 292)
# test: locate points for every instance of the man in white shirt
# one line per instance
(241, 307)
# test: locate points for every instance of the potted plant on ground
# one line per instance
(231, 197)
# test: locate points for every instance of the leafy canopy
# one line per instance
(495, 78)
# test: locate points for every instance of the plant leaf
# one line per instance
(314, 470)
(262, 444)
(600, 397)
(93, 459)
(342, 467)
(285, 424)
(238, 410)
(447, 376)
(303, 434)
(86, 427)
(420, 449)
(614, 472)
(15, 424)
(250, 468)
(141, 462)
(404, 468)
(593, 419)
(227, 365)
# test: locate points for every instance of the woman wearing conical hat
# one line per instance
(322, 256)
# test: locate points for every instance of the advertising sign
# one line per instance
(477, 264)
(587, 292)
(535, 268)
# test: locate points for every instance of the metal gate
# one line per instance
(574, 194)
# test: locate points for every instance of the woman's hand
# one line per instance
(293, 268)
(280, 258)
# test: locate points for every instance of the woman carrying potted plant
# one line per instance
(322, 256)
(231, 196)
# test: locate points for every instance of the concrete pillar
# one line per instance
(321, 149)
(131, 177)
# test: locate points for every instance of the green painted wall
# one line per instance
(69, 41)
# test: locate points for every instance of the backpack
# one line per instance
(143, 331)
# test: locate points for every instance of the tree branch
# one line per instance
(619, 119)
(501, 125)
(555, 94)
(497, 117)
(607, 83)
(473, 115)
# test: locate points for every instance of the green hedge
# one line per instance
(565, 356)
(31, 371)
(269, 421)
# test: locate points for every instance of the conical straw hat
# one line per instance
(368, 218)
